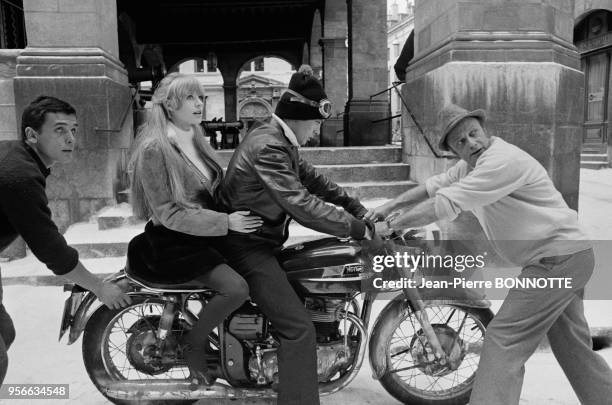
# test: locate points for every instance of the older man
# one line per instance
(529, 223)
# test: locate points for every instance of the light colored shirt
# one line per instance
(515, 201)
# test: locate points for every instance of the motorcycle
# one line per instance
(423, 348)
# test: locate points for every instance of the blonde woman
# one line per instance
(174, 180)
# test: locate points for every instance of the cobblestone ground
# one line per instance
(37, 357)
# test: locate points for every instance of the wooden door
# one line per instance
(597, 72)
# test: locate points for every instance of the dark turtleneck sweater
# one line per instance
(24, 208)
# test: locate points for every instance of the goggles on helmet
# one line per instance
(324, 106)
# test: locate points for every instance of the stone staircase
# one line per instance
(594, 156)
(367, 172)
(373, 174)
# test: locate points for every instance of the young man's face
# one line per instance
(55, 140)
(307, 131)
(468, 140)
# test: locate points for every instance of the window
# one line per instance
(12, 25)
(259, 64)
(199, 65)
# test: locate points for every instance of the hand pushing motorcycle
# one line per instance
(423, 348)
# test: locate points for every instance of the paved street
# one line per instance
(36, 357)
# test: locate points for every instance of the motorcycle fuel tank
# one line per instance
(325, 266)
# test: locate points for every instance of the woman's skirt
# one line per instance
(162, 255)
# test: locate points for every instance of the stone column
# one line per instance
(514, 59)
(8, 114)
(8, 124)
(72, 54)
(335, 68)
(231, 99)
(315, 51)
(368, 74)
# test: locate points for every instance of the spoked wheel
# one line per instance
(121, 345)
(413, 375)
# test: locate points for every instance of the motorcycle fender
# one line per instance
(88, 306)
(377, 348)
(82, 315)
(462, 297)
(396, 309)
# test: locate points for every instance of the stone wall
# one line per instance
(523, 70)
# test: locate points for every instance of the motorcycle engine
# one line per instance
(332, 354)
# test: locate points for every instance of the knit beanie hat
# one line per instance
(305, 99)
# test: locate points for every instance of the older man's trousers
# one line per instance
(529, 314)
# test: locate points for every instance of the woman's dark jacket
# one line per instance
(267, 177)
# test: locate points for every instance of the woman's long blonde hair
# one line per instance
(171, 91)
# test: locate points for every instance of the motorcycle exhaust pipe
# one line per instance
(175, 389)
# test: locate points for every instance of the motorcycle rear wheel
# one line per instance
(403, 340)
(95, 339)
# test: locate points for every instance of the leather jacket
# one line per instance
(267, 177)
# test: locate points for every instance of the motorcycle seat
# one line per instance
(137, 270)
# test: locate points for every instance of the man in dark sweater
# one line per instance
(48, 130)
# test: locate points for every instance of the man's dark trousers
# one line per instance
(271, 291)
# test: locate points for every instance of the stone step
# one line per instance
(342, 173)
(343, 155)
(594, 148)
(379, 189)
(594, 157)
(593, 165)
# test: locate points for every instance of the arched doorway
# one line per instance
(593, 39)
(253, 109)
(261, 82)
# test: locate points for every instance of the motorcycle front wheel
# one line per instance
(412, 375)
(111, 354)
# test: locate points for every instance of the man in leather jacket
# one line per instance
(267, 177)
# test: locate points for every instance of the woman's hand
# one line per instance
(241, 221)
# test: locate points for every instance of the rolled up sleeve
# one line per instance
(452, 175)
(486, 184)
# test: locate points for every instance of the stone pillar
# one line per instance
(72, 54)
(315, 52)
(335, 68)
(368, 74)
(230, 95)
(514, 59)
(8, 125)
(8, 114)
